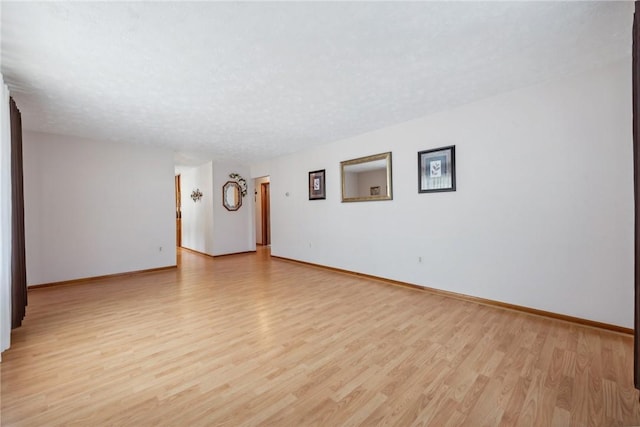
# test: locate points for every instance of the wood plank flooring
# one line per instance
(250, 340)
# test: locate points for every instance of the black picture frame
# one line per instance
(317, 187)
(437, 170)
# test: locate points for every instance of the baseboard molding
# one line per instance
(193, 251)
(108, 276)
(469, 298)
(235, 253)
(216, 256)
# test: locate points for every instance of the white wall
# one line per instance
(197, 217)
(258, 207)
(233, 230)
(542, 216)
(95, 208)
(5, 218)
(207, 226)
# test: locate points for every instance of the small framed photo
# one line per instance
(317, 189)
(437, 170)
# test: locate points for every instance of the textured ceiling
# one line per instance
(250, 81)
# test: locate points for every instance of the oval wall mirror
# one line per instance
(367, 178)
(231, 196)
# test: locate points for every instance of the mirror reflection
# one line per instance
(367, 178)
(231, 196)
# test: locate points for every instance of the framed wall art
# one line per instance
(437, 170)
(317, 188)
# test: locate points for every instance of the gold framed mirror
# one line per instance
(367, 178)
(231, 196)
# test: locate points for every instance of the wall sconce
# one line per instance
(196, 195)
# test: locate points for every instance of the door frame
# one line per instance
(266, 213)
(178, 212)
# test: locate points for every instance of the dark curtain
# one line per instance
(18, 263)
(636, 188)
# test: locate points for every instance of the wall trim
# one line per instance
(235, 253)
(183, 248)
(477, 300)
(107, 276)
(216, 256)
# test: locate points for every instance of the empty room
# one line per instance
(319, 213)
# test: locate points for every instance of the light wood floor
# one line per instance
(246, 340)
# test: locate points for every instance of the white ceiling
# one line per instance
(250, 81)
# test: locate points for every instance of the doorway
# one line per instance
(263, 210)
(178, 214)
(266, 213)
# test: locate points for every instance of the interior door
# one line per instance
(266, 214)
(178, 214)
(635, 72)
